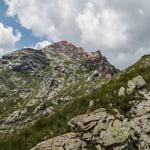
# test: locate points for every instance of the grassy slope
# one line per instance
(50, 126)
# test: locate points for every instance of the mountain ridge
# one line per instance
(56, 95)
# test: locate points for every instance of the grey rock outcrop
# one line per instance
(29, 60)
(121, 91)
(42, 106)
(61, 100)
(69, 141)
(136, 83)
(140, 124)
(94, 75)
(140, 112)
(102, 129)
(17, 115)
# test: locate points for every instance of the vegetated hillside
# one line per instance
(88, 112)
(37, 83)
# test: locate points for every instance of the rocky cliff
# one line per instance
(64, 98)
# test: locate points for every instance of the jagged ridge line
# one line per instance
(107, 74)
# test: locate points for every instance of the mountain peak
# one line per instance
(42, 92)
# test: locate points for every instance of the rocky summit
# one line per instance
(64, 98)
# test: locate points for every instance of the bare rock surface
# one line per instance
(101, 129)
(140, 124)
(68, 141)
(136, 83)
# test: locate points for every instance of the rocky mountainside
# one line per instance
(64, 98)
(33, 82)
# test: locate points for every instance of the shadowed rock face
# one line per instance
(25, 60)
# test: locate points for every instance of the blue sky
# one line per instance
(27, 38)
(120, 29)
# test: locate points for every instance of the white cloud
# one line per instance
(42, 44)
(141, 11)
(104, 27)
(1, 52)
(50, 19)
(118, 28)
(8, 38)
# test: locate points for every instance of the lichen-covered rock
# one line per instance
(121, 91)
(91, 104)
(145, 93)
(93, 75)
(101, 128)
(136, 83)
(68, 141)
(140, 124)
(42, 106)
(115, 135)
(17, 115)
(29, 60)
(139, 82)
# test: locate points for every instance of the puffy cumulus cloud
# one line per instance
(42, 44)
(8, 38)
(51, 19)
(131, 57)
(120, 29)
(103, 28)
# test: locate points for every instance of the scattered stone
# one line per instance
(42, 106)
(91, 104)
(145, 93)
(48, 110)
(121, 91)
(140, 124)
(61, 100)
(93, 75)
(139, 82)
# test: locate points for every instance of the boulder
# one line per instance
(93, 75)
(102, 129)
(136, 83)
(131, 86)
(91, 104)
(68, 141)
(121, 91)
(42, 106)
(139, 82)
(145, 93)
(140, 124)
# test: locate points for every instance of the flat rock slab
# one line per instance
(68, 141)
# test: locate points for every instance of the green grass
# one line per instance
(3, 94)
